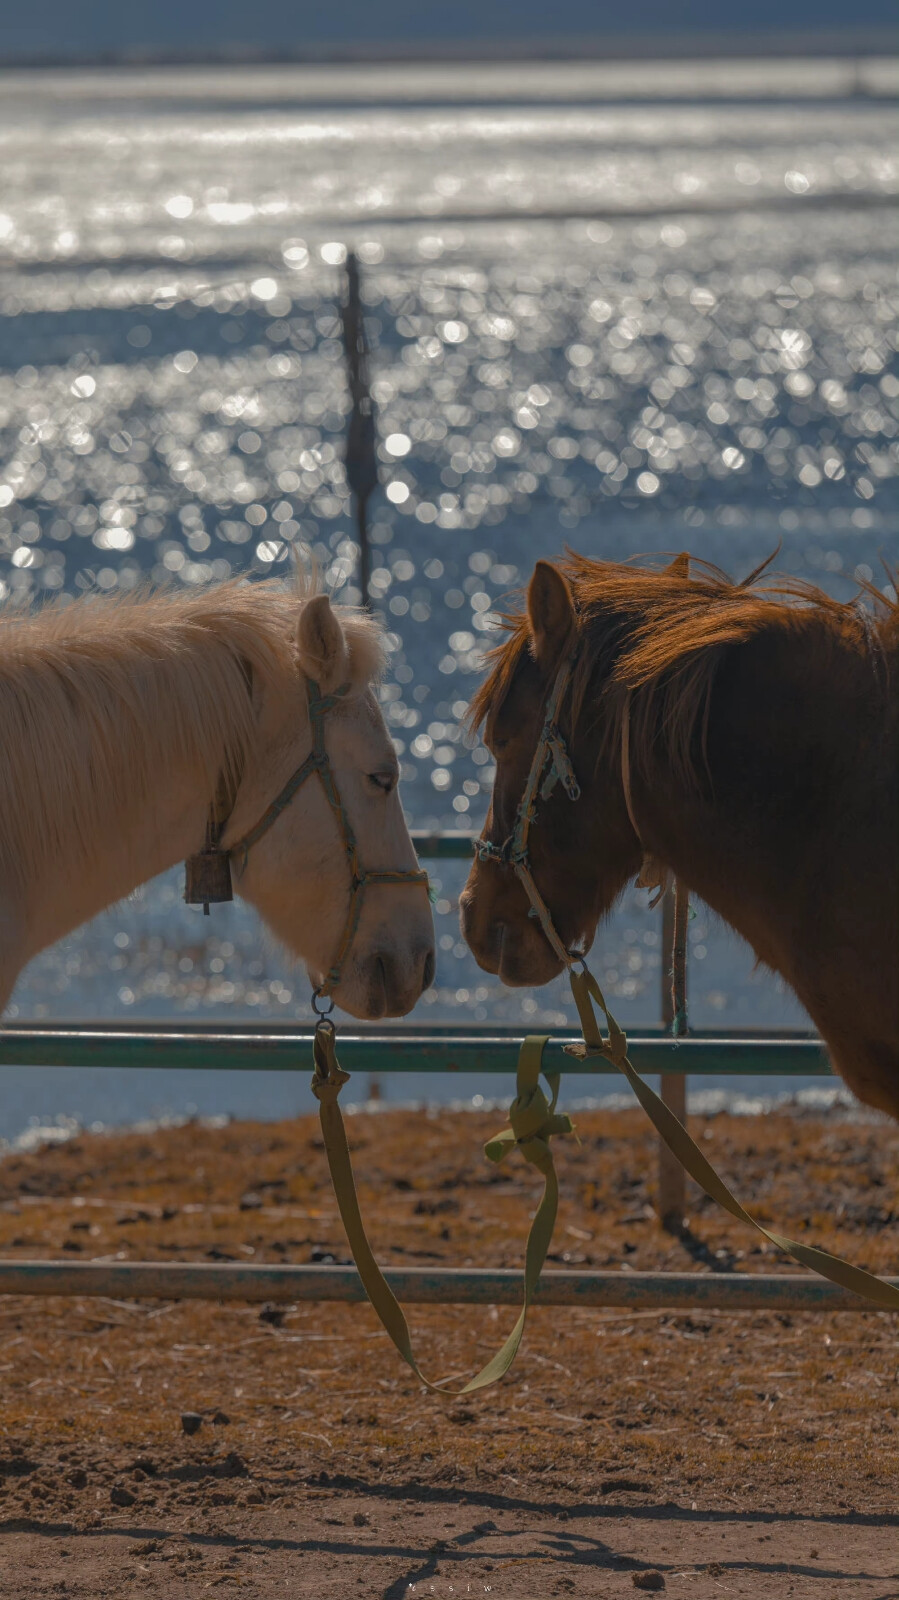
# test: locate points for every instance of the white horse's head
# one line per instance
(298, 873)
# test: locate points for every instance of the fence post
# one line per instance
(360, 456)
(671, 1176)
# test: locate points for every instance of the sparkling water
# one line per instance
(627, 325)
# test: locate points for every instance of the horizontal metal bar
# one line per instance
(731, 1291)
(231, 1050)
(385, 1031)
(454, 845)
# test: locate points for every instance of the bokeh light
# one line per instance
(628, 328)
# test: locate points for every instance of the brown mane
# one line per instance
(658, 637)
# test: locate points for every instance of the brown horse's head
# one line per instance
(645, 647)
(582, 852)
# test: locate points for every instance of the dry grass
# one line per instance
(778, 1409)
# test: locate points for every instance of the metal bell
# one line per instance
(207, 879)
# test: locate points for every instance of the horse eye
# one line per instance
(386, 780)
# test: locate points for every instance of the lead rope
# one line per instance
(533, 1120)
(586, 990)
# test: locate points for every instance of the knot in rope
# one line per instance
(329, 1077)
(486, 851)
(327, 1089)
(320, 704)
(533, 1118)
(560, 768)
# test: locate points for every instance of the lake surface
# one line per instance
(630, 316)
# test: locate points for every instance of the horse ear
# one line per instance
(680, 566)
(322, 647)
(550, 613)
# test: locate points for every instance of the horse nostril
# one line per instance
(427, 977)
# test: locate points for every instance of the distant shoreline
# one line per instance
(827, 44)
(621, 80)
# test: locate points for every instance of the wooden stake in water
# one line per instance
(360, 455)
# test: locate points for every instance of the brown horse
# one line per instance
(747, 738)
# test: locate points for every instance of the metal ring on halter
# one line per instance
(328, 998)
(575, 959)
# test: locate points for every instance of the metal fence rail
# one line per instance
(453, 1051)
(730, 1291)
(443, 1048)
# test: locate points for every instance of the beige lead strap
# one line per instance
(585, 989)
(533, 1120)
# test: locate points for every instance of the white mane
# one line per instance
(97, 697)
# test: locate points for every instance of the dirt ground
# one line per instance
(705, 1454)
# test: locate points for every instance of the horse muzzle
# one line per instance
(515, 951)
(386, 982)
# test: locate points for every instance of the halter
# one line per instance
(514, 851)
(318, 762)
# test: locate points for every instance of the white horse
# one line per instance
(120, 721)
